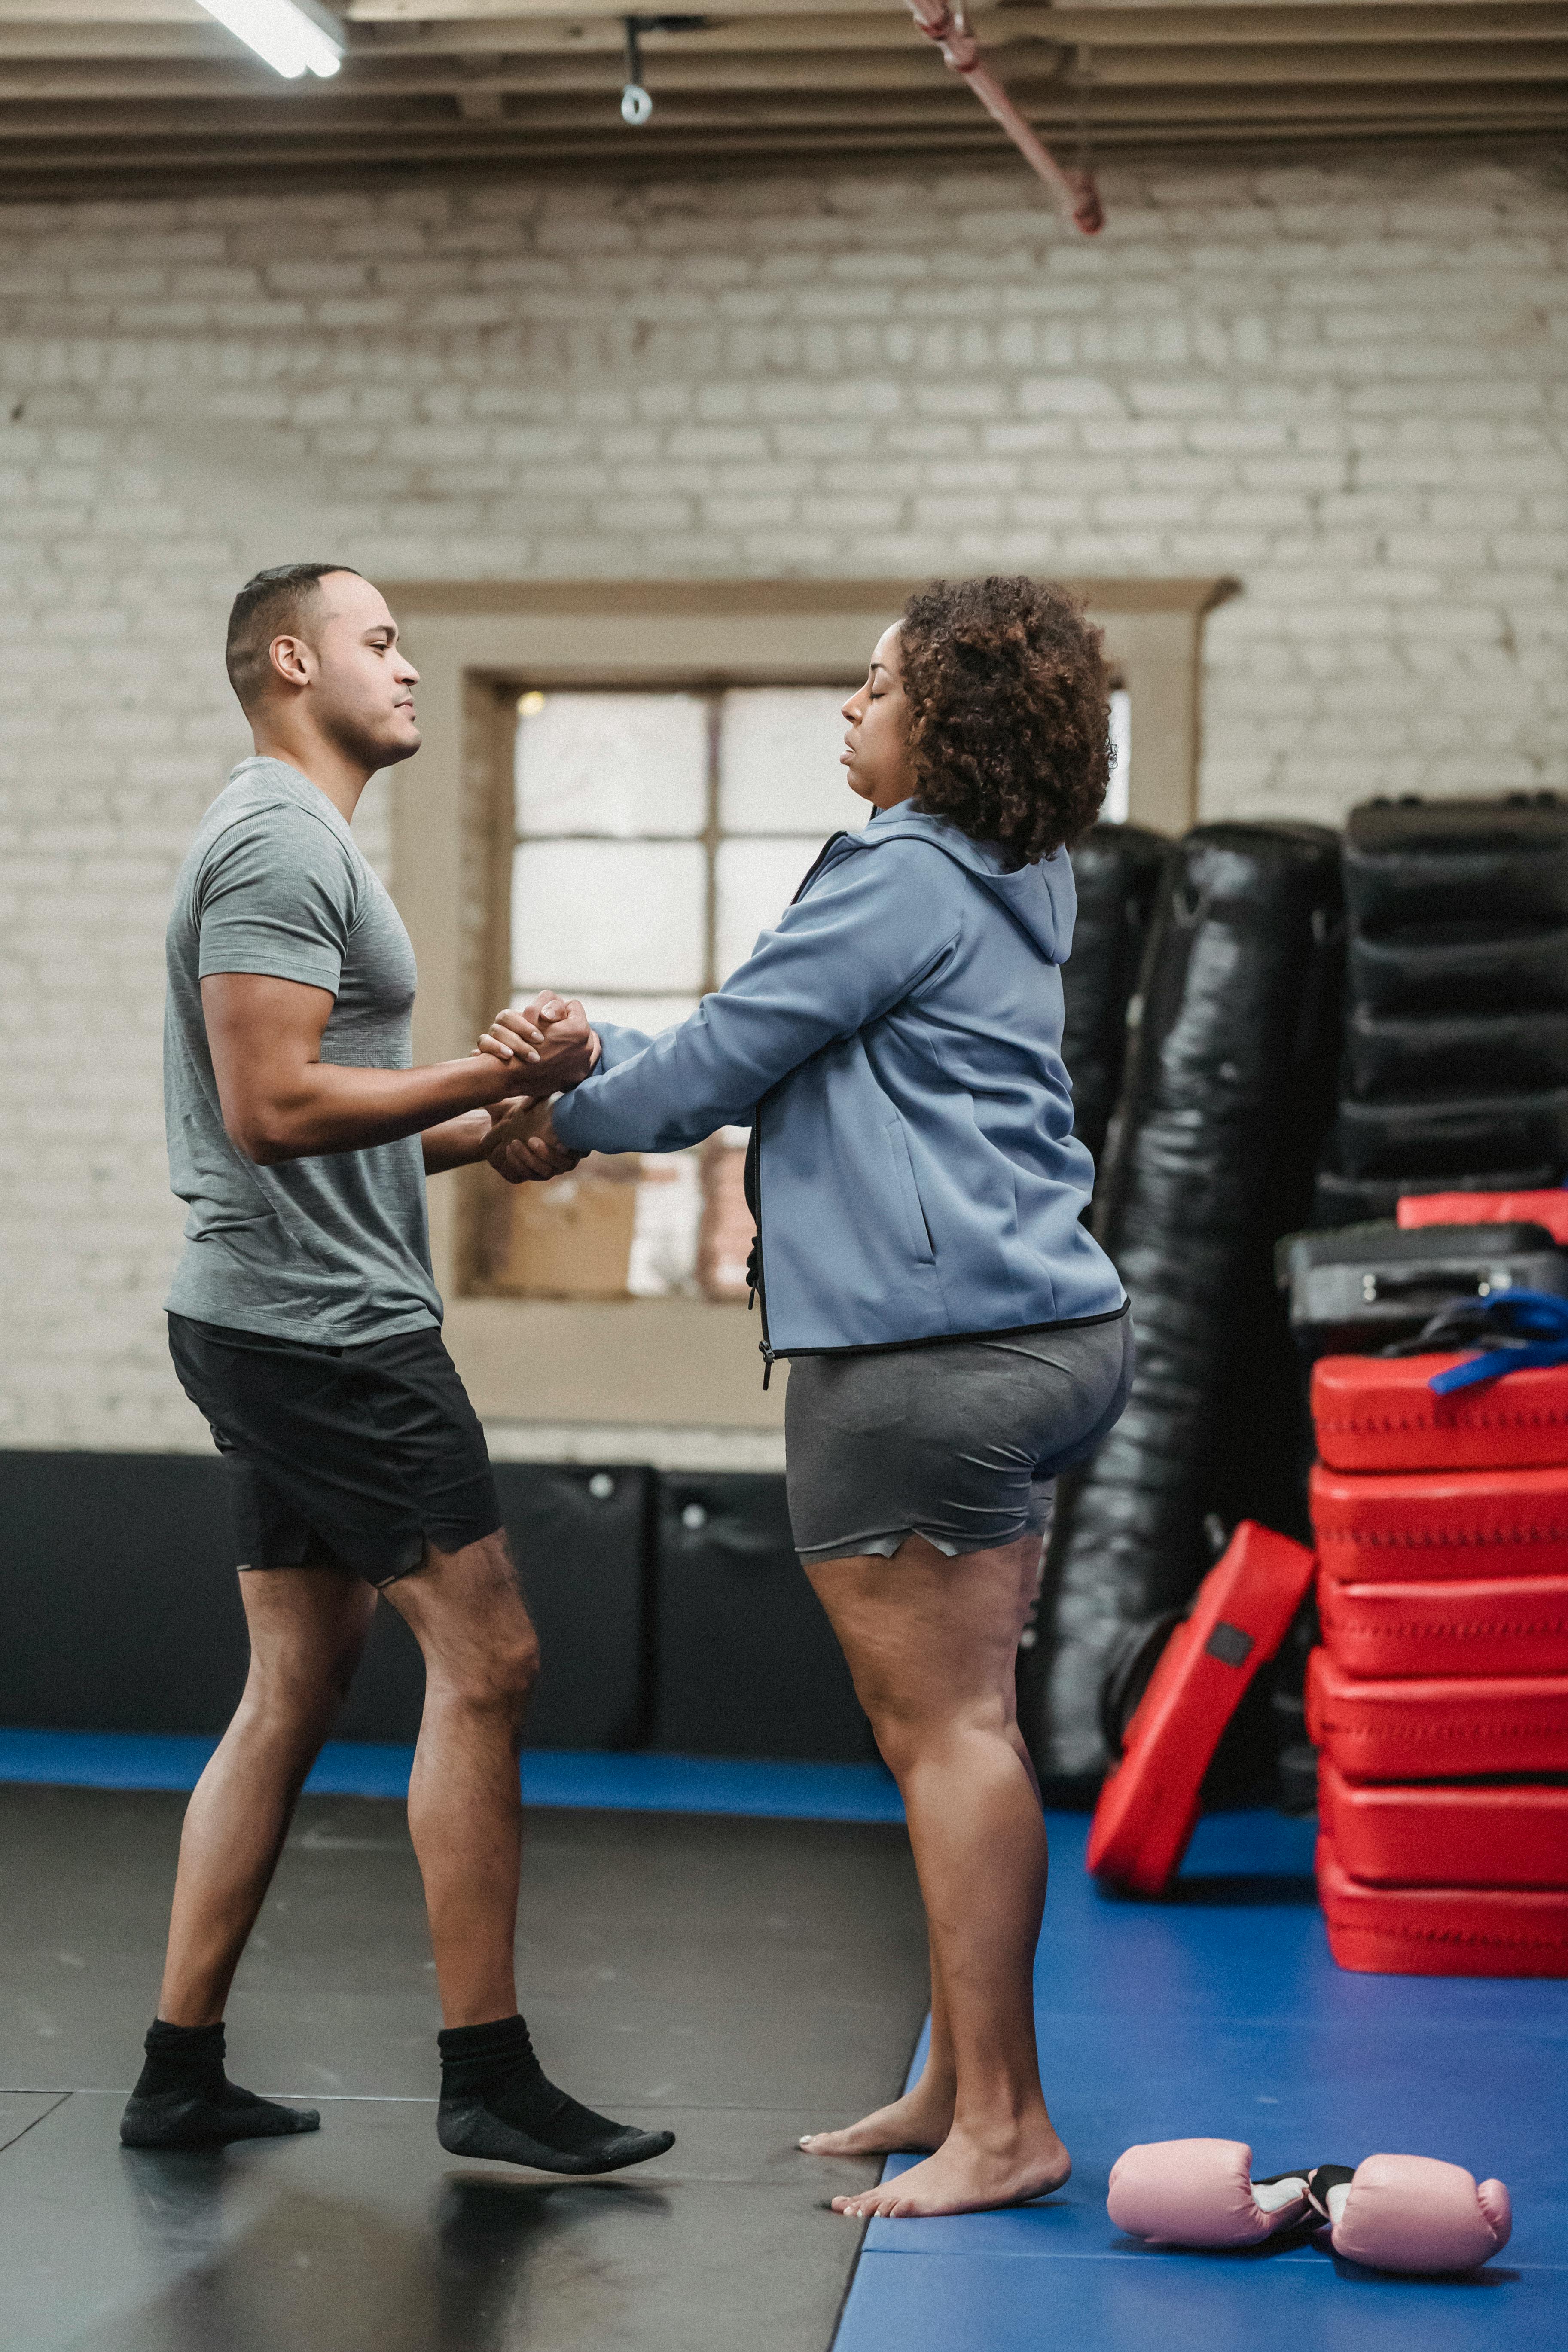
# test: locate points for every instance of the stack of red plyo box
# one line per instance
(1438, 1701)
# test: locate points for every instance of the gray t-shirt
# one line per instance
(334, 1249)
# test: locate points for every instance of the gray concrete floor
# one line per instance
(739, 1981)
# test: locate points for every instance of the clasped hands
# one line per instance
(554, 1048)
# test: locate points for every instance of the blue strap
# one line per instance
(1533, 1326)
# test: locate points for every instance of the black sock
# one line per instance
(180, 2058)
(498, 2101)
(184, 2098)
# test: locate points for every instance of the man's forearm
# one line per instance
(332, 1106)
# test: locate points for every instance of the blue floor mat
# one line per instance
(1221, 2013)
(621, 1783)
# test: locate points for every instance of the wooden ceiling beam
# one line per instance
(1032, 74)
(103, 154)
(1007, 33)
(103, 167)
(397, 116)
(1325, 62)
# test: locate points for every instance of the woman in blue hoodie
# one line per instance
(956, 1336)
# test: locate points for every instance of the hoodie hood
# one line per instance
(1042, 899)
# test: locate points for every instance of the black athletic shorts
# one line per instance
(341, 1457)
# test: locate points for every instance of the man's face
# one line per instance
(360, 686)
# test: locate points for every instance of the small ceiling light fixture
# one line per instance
(635, 103)
(293, 37)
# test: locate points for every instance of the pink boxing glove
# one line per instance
(1411, 2213)
(1201, 2192)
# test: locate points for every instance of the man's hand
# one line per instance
(547, 1047)
(525, 1148)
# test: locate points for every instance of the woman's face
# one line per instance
(875, 753)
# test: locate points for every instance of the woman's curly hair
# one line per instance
(1009, 710)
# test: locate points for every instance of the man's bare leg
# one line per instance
(465, 1815)
(464, 1808)
(307, 1628)
(922, 2118)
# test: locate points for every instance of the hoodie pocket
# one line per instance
(915, 1226)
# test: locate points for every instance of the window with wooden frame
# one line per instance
(557, 1353)
(657, 833)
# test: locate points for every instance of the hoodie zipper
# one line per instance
(756, 1293)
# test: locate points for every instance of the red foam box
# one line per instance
(1548, 1208)
(1427, 1728)
(1434, 1834)
(1149, 1806)
(1423, 1526)
(1376, 1413)
(1507, 1625)
(1441, 1931)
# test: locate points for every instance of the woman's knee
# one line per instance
(911, 1730)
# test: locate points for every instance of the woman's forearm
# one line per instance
(460, 1142)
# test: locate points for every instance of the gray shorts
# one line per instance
(957, 1440)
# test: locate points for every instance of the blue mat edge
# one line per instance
(587, 1779)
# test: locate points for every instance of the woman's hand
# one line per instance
(548, 1046)
(525, 1148)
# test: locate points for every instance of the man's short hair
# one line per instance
(271, 605)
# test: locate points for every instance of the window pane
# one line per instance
(756, 879)
(778, 761)
(609, 915)
(617, 764)
(649, 1013)
(665, 1223)
(1114, 811)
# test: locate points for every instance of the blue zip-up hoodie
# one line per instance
(896, 1046)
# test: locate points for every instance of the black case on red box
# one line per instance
(1360, 1287)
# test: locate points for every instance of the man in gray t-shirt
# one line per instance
(304, 1322)
(334, 1247)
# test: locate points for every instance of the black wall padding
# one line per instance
(121, 1610)
(1461, 968)
(1428, 1138)
(1228, 1090)
(1404, 1057)
(747, 1662)
(1338, 1199)
(1457, 1044)
(117, 1594)
(1117, 868)
(1412, 861)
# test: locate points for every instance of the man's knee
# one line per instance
(301, 1687)
(497, 1676)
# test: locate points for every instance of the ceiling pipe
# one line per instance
(1075, 192)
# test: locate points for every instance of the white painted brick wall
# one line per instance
(1343, 382)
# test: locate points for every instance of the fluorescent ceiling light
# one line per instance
(291, 42)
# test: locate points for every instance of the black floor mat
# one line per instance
(741, 1982)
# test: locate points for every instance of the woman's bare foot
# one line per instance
(920, 2119)
(964, 2177)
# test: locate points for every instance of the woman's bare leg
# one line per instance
(930, 1643)
(922, 2118)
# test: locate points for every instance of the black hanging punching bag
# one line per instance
(1116, 869)
(1227, 1096)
